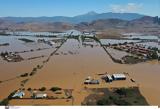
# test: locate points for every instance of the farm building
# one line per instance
(94, 82)
(51, 43)
(119, 77)
(108, 78)
(40, 95)
(88, 80)
(18, 94)
(91, 81)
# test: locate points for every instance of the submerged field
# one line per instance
(68, 68)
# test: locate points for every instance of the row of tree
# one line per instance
(157, 20)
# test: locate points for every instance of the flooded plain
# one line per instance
(69, 71)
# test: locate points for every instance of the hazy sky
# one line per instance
(34, 8)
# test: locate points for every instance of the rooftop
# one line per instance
(119, 76)
(19, 94)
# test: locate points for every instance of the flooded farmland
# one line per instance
(70, 66)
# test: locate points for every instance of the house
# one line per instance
(108, 78)
(119, 77)
(94, 81)
(158, 55)
(87, 81)
(51, 43)
(88, 40)
(41, 40)
(18, 94)
(40, 95)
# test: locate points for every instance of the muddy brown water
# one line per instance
(69, 71)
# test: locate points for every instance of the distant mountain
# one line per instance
(91, 16)
(35, 26)
(88, 17)
(112, 28)
(145, 24)
(102, 24)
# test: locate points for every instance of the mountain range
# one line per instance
(108, 24)
(88, 17)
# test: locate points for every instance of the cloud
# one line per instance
(130, 7)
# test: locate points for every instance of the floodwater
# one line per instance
(116, 41)
(151, 44)
(68, 71)
(142, 37)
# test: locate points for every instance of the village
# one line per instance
(11, 57)
(133, 53)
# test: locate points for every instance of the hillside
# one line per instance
(108, 27)
(88, 17)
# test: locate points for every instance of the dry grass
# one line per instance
(110, 33)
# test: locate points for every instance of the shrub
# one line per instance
(29, 89)
(121, 91)
(38, 66)
(55, 89)
(101, 102)
(4, 102)
(11, 94)
(104, 102)
(121, 102)
(23, 89)
(42, 89)
(32, 73)
(24, 75)
(154, 55)
(34, 69)
(24, 81)
(69, 97)
(113, 98)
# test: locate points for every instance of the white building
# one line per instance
(51, 43)
(73, 32)
(40, 95)
(18, 94)
(119, 77)
(109, 78)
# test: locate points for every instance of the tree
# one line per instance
(42, 89)
(24, 75)
(155, 20)
(122, 102)
(34, 69)
(101, 102)
(105, 101)
(154, 55)
(159, 21)
(55, 89)
(4, 102)
(29, 89)
(121, 91)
